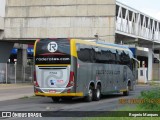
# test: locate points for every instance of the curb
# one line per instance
(15, 86)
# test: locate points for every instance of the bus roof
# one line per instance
(112, 44)
(115, 46)
(104, 44)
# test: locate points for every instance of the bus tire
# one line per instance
(126, 93)
(97, 93)
(129, 86)
(55, 99)
(89, 97)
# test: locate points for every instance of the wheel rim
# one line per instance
(98, 93)
(90, 94)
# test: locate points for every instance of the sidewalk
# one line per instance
(15, 91)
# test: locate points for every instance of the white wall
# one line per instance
(60, 19)
(1, 23)
(2, 8)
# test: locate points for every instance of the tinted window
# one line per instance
(95, 54)
(86, 54)
(103, 55)
(125, 58)
(106, 56)
(118, 56)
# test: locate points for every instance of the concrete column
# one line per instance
(22, 56)
(150, 63)
(21, 63)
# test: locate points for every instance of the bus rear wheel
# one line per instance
(89, 97)
(97, 93)
(55, 99)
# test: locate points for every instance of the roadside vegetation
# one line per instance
(151, 100)
(151, 103)
(123, 118)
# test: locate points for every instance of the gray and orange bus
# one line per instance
(67, 68)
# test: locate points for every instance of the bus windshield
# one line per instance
(52, 51)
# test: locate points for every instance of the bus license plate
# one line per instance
(52, 91)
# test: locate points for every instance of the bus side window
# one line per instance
(86, 55)
(117, 57)
(125, 59)
(113, 54)
(106, 56)
(101, 56)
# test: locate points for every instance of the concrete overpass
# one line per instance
(5, 46)
(135, 24)
(135, 27)
(31, 19)
(27, 20)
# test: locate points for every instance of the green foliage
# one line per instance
(151, 99)
(122, 118)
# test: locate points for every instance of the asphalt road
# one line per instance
(107, 103)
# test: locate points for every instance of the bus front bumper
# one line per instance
(80, 94)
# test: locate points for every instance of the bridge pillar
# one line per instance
(22, 56)
(21, 63)
(150, 63)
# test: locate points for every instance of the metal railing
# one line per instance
(13, 73)
(135, 23)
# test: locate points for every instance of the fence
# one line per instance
(12, 73)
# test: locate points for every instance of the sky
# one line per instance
(149, 7)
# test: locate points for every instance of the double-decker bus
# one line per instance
(67, 68)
